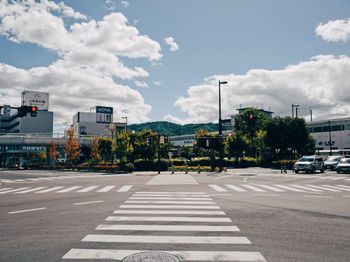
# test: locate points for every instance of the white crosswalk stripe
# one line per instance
(69, 189)
(6, 188)
(30, 190)
(218, 188)
(87, 189)
(343, 186)
(106, 189)
(49, 189)
(307, 188)
(254, 188)
(338, 188)
(125, 188)
(236, 188)
(272, 188)
(13, 190)
(170, 198)
(290, 188)
(181, 228)
(324, 188)
(169, 202)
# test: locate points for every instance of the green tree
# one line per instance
(105, 147)
(94, 152)
(236, 144)
(72, 146)
(123, 146)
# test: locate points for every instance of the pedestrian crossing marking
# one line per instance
(30, 190)
(324, 188)
(290, 188)
(236, 188)
(254, 188)
(125, 188)
(169, 207)
(68, 189)
(49, 189)
(343, 186)
(170, 219)
(13, 190)
(272, 188)
(173, 193)
(166, 239)
(217, 256)
(218, 188)
(123, 227)
(170, 212)
(307, 188)
(169, 202)
(87, 189)
(170, 198)
(106, 189)
(338, 188)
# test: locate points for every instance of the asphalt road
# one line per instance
(240, 215)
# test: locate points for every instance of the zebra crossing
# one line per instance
(38, 179)
(277, 188)
(160, 224)
(64, 189)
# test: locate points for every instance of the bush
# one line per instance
(180, 161)
(242, 162)
(192, 168)
(203, 161)
(128, 167)
(145, 165)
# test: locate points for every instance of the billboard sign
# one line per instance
(104, 114)
(33, 98)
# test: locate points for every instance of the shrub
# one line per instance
(203, 161)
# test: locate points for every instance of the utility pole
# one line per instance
(311, 114)
(220, 125)
(158, 145)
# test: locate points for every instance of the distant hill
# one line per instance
(171, 129)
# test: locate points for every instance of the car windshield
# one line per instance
(306, 159)
(332, 158)
(345, 160)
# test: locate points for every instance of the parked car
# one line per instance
(332, 162)
(343, 166)
(309, 164)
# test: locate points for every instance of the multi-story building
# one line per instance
(332, 133)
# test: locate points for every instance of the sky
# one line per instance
(156, 60)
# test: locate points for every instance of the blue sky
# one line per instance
(226, 39)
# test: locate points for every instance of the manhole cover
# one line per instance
(247, 174)
(151, 257)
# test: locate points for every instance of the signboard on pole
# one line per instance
(104, 114)
(34, 98)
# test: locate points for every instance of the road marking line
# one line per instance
(170, 219)
(254, 188)
(13, 190)
(5, 189)
(90, 202)
(170, 202)
(171, 198)
(106, 189)
(30, 190)
(335, 187)
(273, 195)
(290, 188)
(169, 212)
(169, 228)
(346, 196)
(271, 188)
(27, 210)
(169, 195)
(49, 190)
(124, 188)
(318, 196)
(87, 189)
(218, 188)
(306, 188)
(20, 180)
(166, 239)
(222, 177)
(343, 186)
(218, 256)
(236, 188)
(169, 207)
(68, 189)
(324, 188)
(337, 178)
(324, 177)
(170, 192)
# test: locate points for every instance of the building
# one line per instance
(334, 132)
(97, 122)
(183, 140)
(42, 123)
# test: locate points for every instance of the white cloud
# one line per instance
(321, 83)
(171, 42)
(141, 84)
(125, 4)
(158, 83)
(334, 31)
(110, 5)
(90, 59)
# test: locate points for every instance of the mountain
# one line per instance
(171, 129)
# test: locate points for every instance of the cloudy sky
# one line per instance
(162, 59)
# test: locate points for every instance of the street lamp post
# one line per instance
(296, 110)
(126, 122)
(220, 125)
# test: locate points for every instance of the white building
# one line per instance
(334, 131)
(96, 122)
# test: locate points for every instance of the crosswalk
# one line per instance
(38, 179)
(65, 189)
(317, 176)
(201, 234)
(278, 188)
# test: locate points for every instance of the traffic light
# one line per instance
(23, 110)
(33, 111)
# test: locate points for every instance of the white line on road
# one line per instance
(324, 188)
(218, 188)
(169, 228)
(170, 192)
(125, 188)
(27, 210)
(271, 188)
(171, 198)
(170, 219)
(273, 195)
(87, 189)
(166, 239)
(168, 195)
(290, 188)
(169, 207)
(318, 196)
(5, 189)
(169, 202)
(13, 190)
(170, 212)
(68, 189)
(236, 188)
(49, 190)
(90, 202)
(254, 188)
(307, 188)
(222, 177)
(106, 189)
(346, 196)
(30, 190)
(343, 186)
(336, 187)
(218, 256)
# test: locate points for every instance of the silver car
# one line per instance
(332, 162)
(343, 166)
(309, 164)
